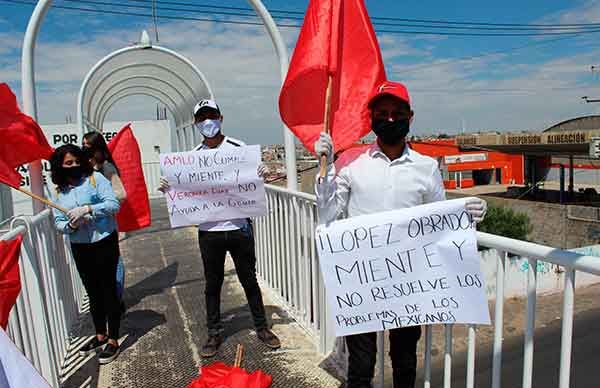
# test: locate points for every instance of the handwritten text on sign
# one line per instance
(213, 185)
(406, 267)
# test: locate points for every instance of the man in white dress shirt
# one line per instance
(233, 236)
(387, 175)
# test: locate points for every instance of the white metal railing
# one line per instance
(288, 263)
(51, 297)
(152, 177)
(287, 259)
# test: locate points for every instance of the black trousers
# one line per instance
(97, 267)
(362, 349)
(240, 244)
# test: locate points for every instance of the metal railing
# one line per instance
(51, 297)
(287, 259)
(152, 177)
(288, 263)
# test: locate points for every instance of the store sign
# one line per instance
(465, 158)
(567, 138)
(577, 137)
(524, 139)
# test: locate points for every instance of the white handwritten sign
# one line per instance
(408, 267)
(213, 185)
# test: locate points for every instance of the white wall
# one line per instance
(580, 175)
(550, 277)
(152, 136)
(6, 209)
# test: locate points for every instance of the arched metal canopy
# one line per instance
(29, 95)
(142, 69)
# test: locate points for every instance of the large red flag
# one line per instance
(135, 210)
(336, 39)
(22, 138)
(10, 283)
(9, 175)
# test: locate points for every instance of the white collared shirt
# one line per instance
(368, 182)
(222, 226)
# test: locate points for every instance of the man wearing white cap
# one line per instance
(233, 236)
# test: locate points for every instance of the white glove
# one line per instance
(74, 225)
(163, 185)
(87, 219)
(76, 214)
(324, 146)
(262, 171)
(477, 208)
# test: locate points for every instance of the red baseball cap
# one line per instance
(395, 89)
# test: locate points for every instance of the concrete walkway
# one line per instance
(164, 327)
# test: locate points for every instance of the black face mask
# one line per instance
(391, 132)
(87, 152)
(74, 173)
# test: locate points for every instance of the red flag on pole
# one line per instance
(10, 281)
(336, 39)
(23, 140)
(135, 210)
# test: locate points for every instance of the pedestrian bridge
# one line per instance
(532, 342)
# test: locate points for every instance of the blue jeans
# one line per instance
(120, 278)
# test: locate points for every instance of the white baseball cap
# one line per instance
(204, 104)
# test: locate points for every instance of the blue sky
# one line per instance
(512, 90)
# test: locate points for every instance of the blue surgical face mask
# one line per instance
(209, 128)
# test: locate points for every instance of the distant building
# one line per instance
(463, 169)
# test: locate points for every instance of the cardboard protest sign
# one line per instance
(408, 267)
(213, 185)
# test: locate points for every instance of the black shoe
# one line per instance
(268, 338)
(109, 353)
(211, 346)
(92, 345)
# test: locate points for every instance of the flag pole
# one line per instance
(41, 199)
(326, 124)
(239, 356)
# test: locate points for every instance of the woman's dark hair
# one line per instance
(56, 162)
(97, 143)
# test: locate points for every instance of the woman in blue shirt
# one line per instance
(96, 149)
(91, 227)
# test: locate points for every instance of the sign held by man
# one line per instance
(213, 185)
(401, 268)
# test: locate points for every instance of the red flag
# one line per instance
(22, 138)
(135, 210)
(220, 375)
(336, 39)
(9, 175)
(10, 283)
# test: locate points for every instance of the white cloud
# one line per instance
(585, 12)
(238, 61)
